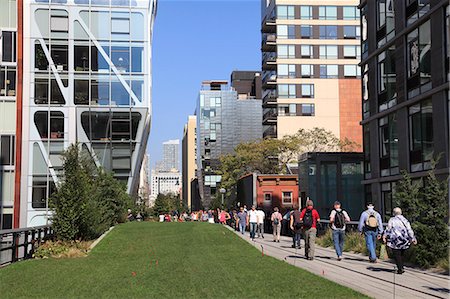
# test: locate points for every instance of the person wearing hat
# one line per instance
(338, 218)
(371, 225)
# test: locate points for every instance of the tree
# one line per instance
(427, 209)
(166, 203)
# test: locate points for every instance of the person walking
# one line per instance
(338, 218)
(371, 225)
(296, 227)
(276, 219)
(242, 220)
(399, 236)
(252, 221)
(260, 223)
(309, 218)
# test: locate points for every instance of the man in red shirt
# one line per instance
(310, 217)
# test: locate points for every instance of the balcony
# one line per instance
(269, 62)
(270, 132)
(269, 80)
(270, 98)
(269, 23)
(270, 116)
(269, 42)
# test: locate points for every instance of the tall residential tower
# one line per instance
(310, 55)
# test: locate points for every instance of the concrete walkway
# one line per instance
(354, 271)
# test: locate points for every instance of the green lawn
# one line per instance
(171, 260)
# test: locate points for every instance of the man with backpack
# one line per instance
(310, 217)
(296, 227)
(371, 225)
(338, 218)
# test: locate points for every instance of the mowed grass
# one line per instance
(167, 260)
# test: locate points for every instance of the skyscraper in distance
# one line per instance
(171, 152)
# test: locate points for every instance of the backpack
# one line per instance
(339, 219)
(308, 219)
(276, 221)
(371, 221)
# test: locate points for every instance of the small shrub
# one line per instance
(61, 249)
(326, 240)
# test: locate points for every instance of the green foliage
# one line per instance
(427, 210)
(270, 156)
(87, 201)
(62, 249)
(166, 203)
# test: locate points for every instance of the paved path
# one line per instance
(354, 271)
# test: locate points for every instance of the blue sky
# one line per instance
(195, 41)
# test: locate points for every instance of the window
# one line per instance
(387, 79)
(419, 60)
(100, 90)
(327, 13)
(286, 31)
(59, 23)
(328, 52)
(41, 95)
(286, 91)
(307, 90)
(366, 149)
(385, 21)
(104, 126)
(286, 71)
(285, 12)
(120, 57)
(388, 145)
(40, 192)
(60, 57)
(120, 25)
(352, 52)
(286, 51)
(215, 101)
(287, 110)
(7, 150)
(350, 13)
(305, 12)
(287, 197)
(307, 110)
(327, 32)
(416, 9)
(307, 70)
(328, 71)
(40, 61)
(81, 92)
(421, 135)
(306, 51)
(8, 50)
(306, 31)
(267, 196)
(365, 91)
(81, 58)
(364, 42)
(7, 81)
(56, 126)
(98, 62)
(386, 196)
(352, 71)
(352, 32)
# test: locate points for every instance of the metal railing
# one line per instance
(20, 244)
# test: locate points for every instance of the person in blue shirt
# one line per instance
(371, 225)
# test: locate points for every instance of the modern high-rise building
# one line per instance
(405, 63)
(311, 77)
(86, 77)
(144, 186)
(223, 121)
(189, 165)
(171, 152)
(8, 93)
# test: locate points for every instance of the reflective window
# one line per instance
(328, 71)
(286, 71)
(306, 31)
(40, 61)
(286, 51)
(305, 12)
(385, 21)
(120, 57)
(388, 145)
(328, 52)
(387, 86)
(350, 13)
(286, 31)
(7, 150)
(307, 70)
(286, 91)
(41, 95)
(352, 51)
(81, 92)
(352, 71)
(50, 127)
(98, 62)
(419, 60)
(285, 12)
(120, 25)
(327, 32)
(307, 90)
(327, 13)
(306, 51)
(60, 57)
(119, 95)
(352, 32)
(366, 150)
(307, 110)
(81, 58)
(40, 191)
(106, 126)
(365, 91)
(421, 141)
(416, 9)
(8, 51)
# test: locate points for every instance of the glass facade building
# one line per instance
(405, 93)
(87, 79)
(223, 121)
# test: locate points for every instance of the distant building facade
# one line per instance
(171, 151)
(405, 100)
(165, 183)
(311, 78)
(189, 165)
(223, 121)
